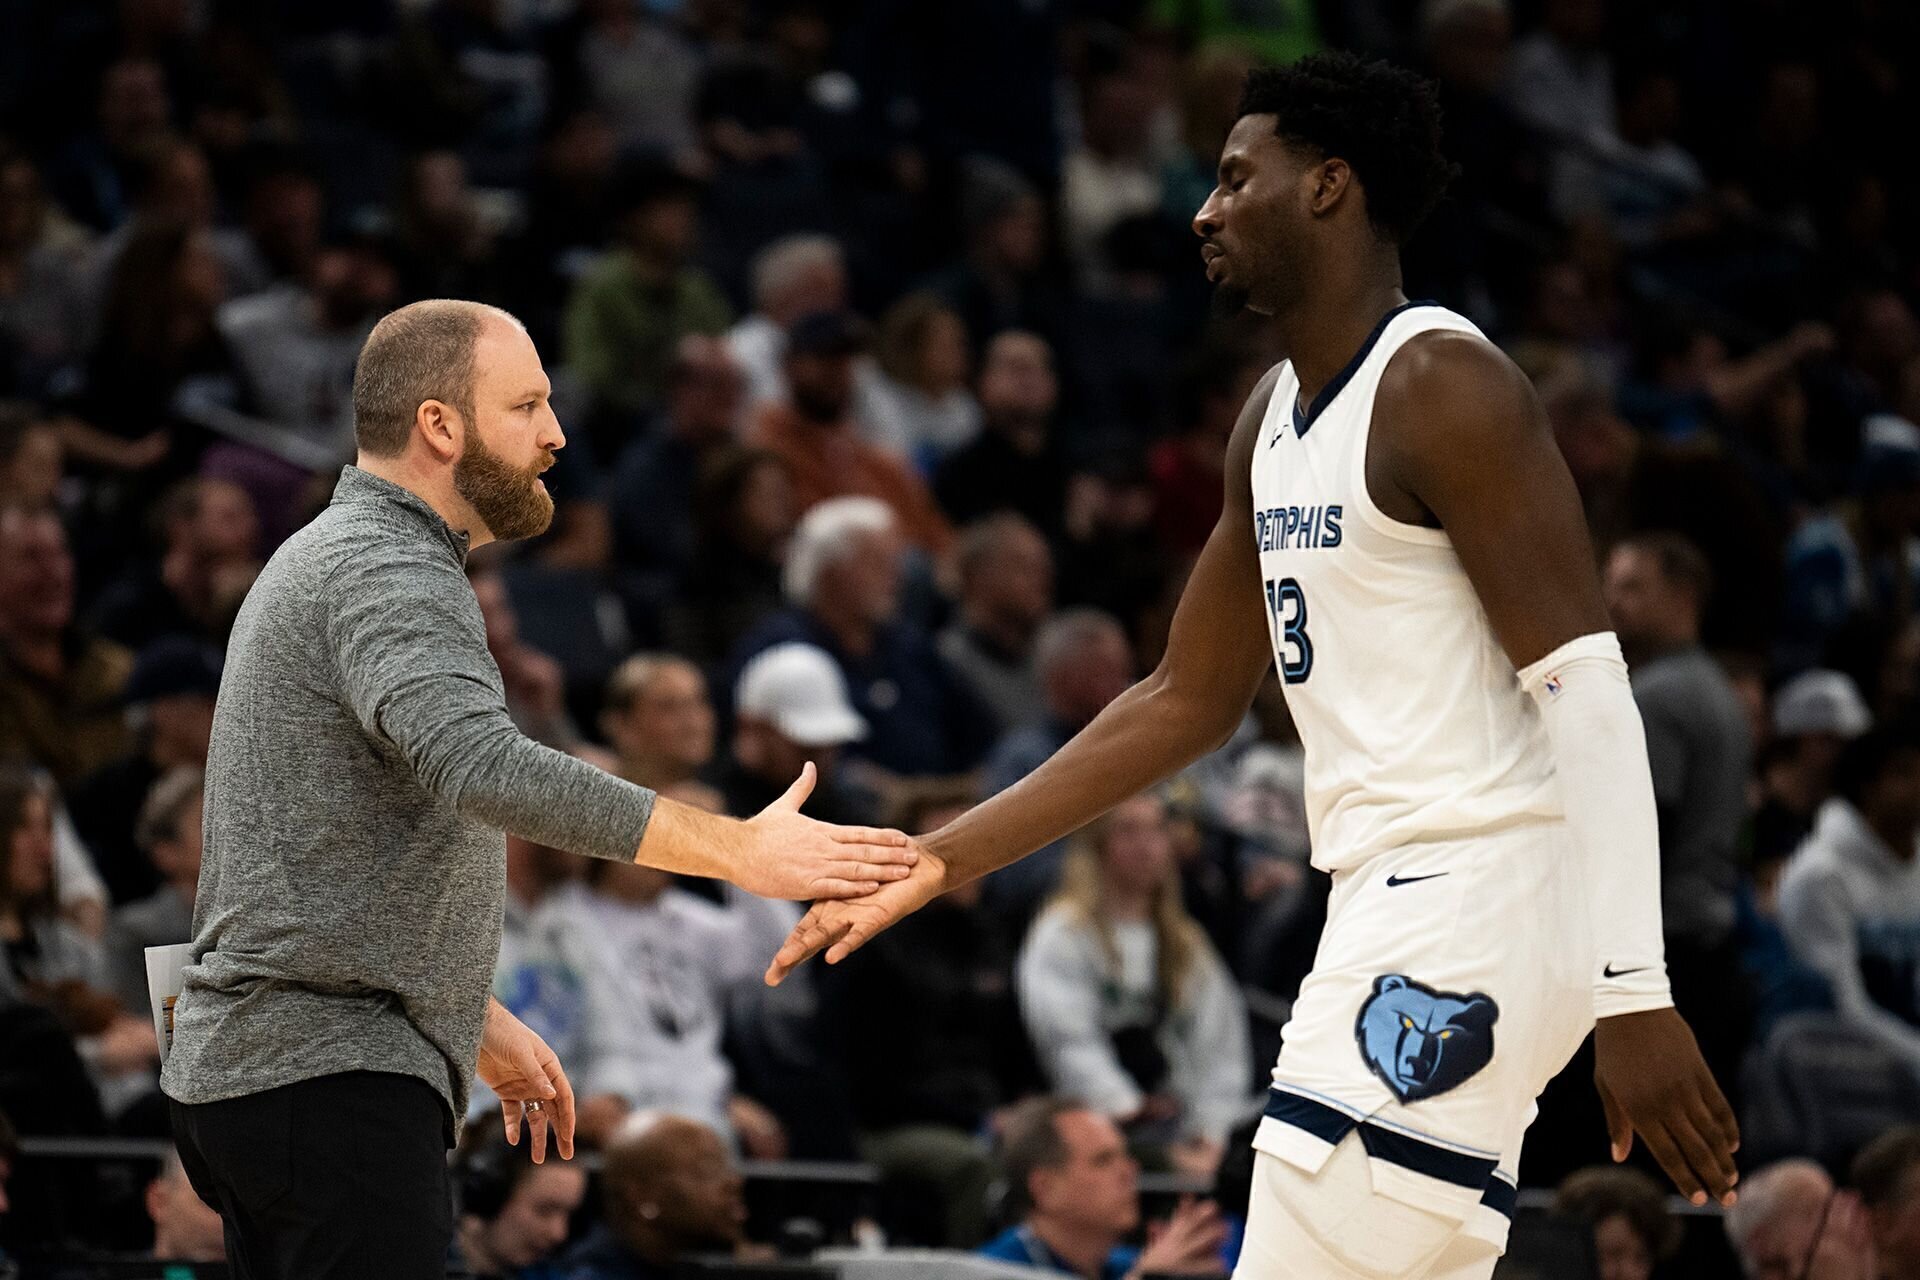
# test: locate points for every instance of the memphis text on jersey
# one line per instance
(1298, 528)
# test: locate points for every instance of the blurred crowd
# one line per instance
(896, 413)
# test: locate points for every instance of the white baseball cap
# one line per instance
(798, 689)
(1820, 702)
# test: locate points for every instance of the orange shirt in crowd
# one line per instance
(834, 462)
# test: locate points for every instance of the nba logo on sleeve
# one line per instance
(1422, 1042)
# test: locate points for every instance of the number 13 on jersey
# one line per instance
(1288, 604)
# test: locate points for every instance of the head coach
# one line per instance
(363, 769)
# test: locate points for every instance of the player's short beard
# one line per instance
(1230, 300)
(507, 499)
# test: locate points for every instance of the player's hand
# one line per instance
(789, 855)
(842, 928)
(1653, 1081)
(1186, 1244)
(519, 1067)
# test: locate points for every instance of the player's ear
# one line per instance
(1330, 180)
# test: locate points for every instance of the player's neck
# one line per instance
(1333, 321)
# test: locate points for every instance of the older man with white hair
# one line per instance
(1792, 1223)
(842, 583)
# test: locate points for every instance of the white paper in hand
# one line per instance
(163, 988)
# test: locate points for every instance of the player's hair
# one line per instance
(1179, 942)
(824, 535)
(424, 351)
(1680, 562)
(1594, 1194)
(1383, 120)
(1029, 1142)
(1884, 1170)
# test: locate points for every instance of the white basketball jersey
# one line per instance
(1414, 721)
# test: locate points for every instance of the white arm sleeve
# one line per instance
(1600, 757)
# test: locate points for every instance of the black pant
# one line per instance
(343, 1177)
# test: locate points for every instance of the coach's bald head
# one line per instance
(450, 400)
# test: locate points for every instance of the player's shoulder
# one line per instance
(1252, 415)
(1447, 366)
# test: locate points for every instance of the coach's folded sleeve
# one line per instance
(362, 769)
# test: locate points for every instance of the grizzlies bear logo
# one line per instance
(1423, 1042)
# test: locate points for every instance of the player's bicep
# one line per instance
(1477, 452)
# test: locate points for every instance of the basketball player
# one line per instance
(1403, 539)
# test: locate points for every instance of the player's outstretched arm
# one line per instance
(1216, 655)
(1459, 439)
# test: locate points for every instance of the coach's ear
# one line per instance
(440, 426)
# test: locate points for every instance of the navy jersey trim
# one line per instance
(1302, 421)
(1500, 1197)
(1330, 1125)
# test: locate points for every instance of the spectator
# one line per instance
(660, 722)
(1128, 1004)
(1015, 464)
(653, 487)
(669, 1190)
(294, 347)
(1849, 900)
(790, 708)
(50, 962)
(1189, 470)
(1002, 283)
(1077, 1193)
(921, 393)
(170, 698)
(156, 331)
(1698, 747)
(209, 557)
(1815, 715)
(796, 276)
(42, 317)
(744, 513)
(632, 307)
(1861, 560)
(60, 687)
(1006, 591)
(816, 435)
(535, 683)
(32, 459)
(843, 578)
(169, 831)
(1113, 174)
(642, 70)
(445, 238)
(1627, 1213)
(1082, 661)
(95, 176)
(1792, 1223)
(185, 1229)
(950, 1059)
(656, 964)
(1887, 1175)
(1561, 79)
(514, 1214)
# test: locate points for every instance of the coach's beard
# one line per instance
(510, 501)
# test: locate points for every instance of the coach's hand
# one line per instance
(842, 928)
(1652, 1079)
(789, 855)
(519, 1067)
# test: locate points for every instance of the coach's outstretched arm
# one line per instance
(1217, 653)
(414, 663)
(1459, 440)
